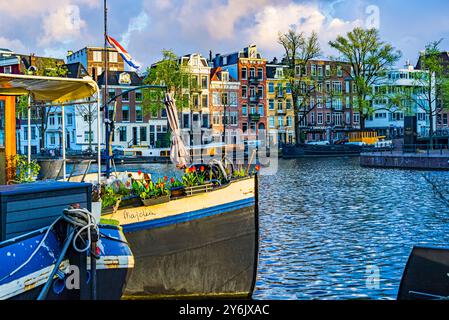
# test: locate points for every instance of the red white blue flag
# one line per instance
(125, 55)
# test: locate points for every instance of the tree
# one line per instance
(298, 51)
(431, 86)
(89, 116)
(170, 73)
(370, 59)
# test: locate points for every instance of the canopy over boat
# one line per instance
(48, 89)
(53, 91)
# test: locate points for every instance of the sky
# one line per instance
(145, 27)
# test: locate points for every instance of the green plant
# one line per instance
(190, 177)
(239, 173)
(110, 198)
(176, 183)
(154, 190)
(25, 172)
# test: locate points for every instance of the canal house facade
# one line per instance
(326, 101)
(280, 112)
(133, 126)
(195, 116)
(249, 68)
(224, 106)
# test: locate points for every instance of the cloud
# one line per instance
(12, 44)
(136, 24)
(62, 25)
(23, 8)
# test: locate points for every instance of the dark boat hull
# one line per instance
(426, 275)
(305, 150)
(211, 252)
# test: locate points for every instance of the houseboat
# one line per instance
(202, 244)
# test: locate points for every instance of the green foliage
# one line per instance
(48, 67)
(154, 190)
(370, 59)
(25, 172)
(240, 173)
(109, 198)
(176, 183)
(170, 73)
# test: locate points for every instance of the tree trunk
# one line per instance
(296, 121)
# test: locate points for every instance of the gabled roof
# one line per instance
(215, 75)
(76, 70)
(114, 76)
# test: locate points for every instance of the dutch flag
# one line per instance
(122, 51)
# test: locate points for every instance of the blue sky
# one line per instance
(51, 27)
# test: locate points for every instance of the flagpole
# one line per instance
(105, 94)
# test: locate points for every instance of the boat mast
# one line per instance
(105, 94)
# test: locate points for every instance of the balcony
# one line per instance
(255, 98)
(254, 117)
(254, 80)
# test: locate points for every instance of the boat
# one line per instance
(425, 276)
(204, 244)
(357, 143)
(48, 262)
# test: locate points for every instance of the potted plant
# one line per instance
(155, 193)
(25, 172)
(111, 200)
(177, 188)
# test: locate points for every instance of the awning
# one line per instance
(48, 89)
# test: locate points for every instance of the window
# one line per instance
(348, 118)
(280, 122)
(111, 94)
(204, 101)
(339, 72)
(125, 113)
(288, 88)
(312, 118)
(59, 118)
(270, 87)
(320, 71)
(139, 114)
(320, 118)
(204, 82)
(252, 72)
(348, 103)
(356, 117)
(260, 91)
(224, 98)
(271, 104)
(252, 109)
(347, 87)
(69, 119)
(244, 110)
(225, 76)
(244, 73)
(138, 95)
(328, 71)
(288, 104)
(7, 69)
(233, 98)
(143, 133)
(313, 70)
(186, 120)
(280, 90)
(216, 99)
(280, 104)
(113, 56)
(97, 56)
(271, 122)
(88, 136)
(125, 96)
(244, 126)
(319, 103)
(260, 73)
(164, 113)
(122, 134)
(33, 133)
(52, 138)
(216, 118)
(337, 87)
(244, 92)
(290, 121)
(234, 118)
(328, 118)
(252, 91)
(261, 110)
(205, 123)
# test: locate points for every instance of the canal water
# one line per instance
(328, 227)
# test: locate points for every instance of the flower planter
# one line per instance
(177, 192)
(131, 202)
(154, 201)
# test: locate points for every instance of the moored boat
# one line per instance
(202, 245)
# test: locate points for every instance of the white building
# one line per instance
(388, 119)
(197, 114)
